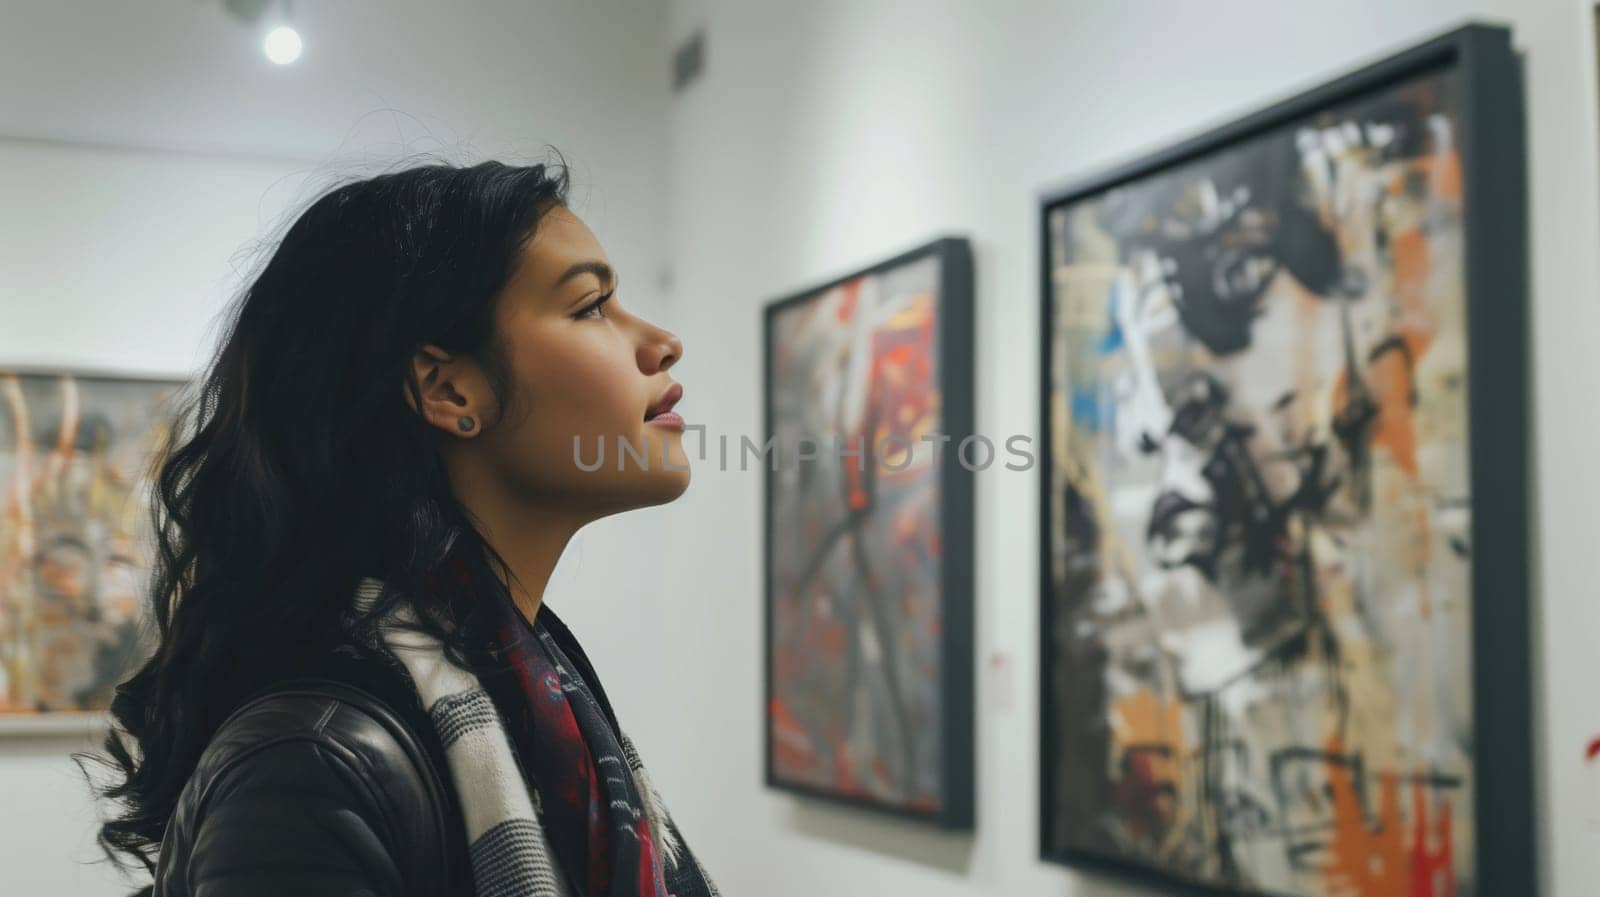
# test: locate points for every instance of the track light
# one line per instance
(282, 45)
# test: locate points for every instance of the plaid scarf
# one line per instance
(541, 764)
(591, 806)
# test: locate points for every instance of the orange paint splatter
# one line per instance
(1444, 173)
(1144, 718)
(1366, 861)
(1392, 384)
(858, 495)
(1386, 858)
(1147, 738)
(1411, 268)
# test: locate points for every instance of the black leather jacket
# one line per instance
(333, 783)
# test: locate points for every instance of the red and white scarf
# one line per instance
(578, 814)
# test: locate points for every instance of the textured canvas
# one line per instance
(857, 701)
(75, 542)
(1259, 555)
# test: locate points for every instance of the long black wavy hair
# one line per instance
(298, 467)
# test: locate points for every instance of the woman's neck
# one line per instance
(531, 549)
(529, 540)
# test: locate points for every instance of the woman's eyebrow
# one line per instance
(597, 268)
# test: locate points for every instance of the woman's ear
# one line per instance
(454, 391)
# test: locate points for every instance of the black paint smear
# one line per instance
(1170, 506)
(1219, 269)
(877, 605)
(1198, 405)
(1354, 421)
(1078, 698)
(1398, 344)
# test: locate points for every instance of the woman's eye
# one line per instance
(594, 309)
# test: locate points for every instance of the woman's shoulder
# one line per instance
(334, 748)
(356, 702)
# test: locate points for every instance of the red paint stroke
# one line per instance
(1593, 751)
(900, 393)
(845, 779)
(847, 305)
(792, 747)
(1433, 869)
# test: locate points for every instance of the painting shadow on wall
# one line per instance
(882, 834)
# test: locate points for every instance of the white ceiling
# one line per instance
(184, 75)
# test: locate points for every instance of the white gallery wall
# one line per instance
(826, 136)
(119, 257)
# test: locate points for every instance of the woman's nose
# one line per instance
(660, 351)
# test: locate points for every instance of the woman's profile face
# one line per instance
(582, 368)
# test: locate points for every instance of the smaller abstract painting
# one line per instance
(868, 538)
(75, 544)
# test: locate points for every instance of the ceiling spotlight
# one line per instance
(282, 45)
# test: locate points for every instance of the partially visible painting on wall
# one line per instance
(75, 539)
(869, 538)
(1283, 499)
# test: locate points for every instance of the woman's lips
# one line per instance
(670, 419)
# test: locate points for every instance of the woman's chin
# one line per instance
(659, 483)
(647, 491)
(672, 483)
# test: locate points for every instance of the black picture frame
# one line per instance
(1495, 259)
(956, 347)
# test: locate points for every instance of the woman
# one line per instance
(358, 688)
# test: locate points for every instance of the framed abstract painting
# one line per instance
(868, 395)
(1284, 587)
(75, 539)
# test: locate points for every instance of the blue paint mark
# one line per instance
(1086, 409)
(1112, 340)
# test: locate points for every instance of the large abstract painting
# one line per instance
(1281, 505)
(869, 669)
(74, 537)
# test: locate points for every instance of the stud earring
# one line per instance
(465, 424)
